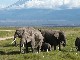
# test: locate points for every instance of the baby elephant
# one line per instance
(46, 47)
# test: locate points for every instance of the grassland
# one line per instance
(7, 31)
(10, 52)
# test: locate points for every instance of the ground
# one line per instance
(10, 52)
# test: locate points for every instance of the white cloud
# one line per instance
(43, 3)
(50, 4)
(75, 4)
(2, 6)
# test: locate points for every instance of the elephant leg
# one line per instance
(42, 48)
(23, 48)
(54, 47)
(20, 46)
(26, 45)
(33, 46)
(49, 48)
(38, 48)
(33, 50)
(59, 47)
(15, 43)
(78, 49)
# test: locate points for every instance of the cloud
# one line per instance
(2, 6)
(50, 4)
(44, 3)
(74, 4)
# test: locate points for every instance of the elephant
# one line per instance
(77, 43)
(46, 47)
(54, 38)
(29, 37)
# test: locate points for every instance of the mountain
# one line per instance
(41, 12)
(46, 4)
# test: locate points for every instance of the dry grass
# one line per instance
(9, 52)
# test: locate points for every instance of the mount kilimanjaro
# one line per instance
(22, 13)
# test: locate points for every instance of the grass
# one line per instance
(10, 52)
(6, 34)
(8, 28)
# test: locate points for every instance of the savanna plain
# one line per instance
(9, 52)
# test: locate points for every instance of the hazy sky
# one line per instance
(42, 3)
(6, 2)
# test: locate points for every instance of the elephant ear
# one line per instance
(61, 32)
(17, 32)
(23, 31)
(39, 30)
(31, 33)
(56, 34)
(62, 35)
(20, 32)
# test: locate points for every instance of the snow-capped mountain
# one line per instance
(17, 4)
(46, 4)
(42, 9)
(41, 12)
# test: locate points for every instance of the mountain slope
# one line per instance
(41, 14)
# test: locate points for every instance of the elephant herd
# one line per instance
(40, 39)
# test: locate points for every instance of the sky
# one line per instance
(52, 4)
(42, 3)
(4, 3)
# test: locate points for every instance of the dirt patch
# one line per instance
(6, 38)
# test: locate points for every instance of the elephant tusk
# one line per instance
(23, 45)
(47, 50)
(13, 41)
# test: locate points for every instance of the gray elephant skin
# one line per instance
(77, 43)
(54, 38)
(29, 37)
(45, 47)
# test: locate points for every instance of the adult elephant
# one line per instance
(54, 38)
(77, 43)
(29, 37)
